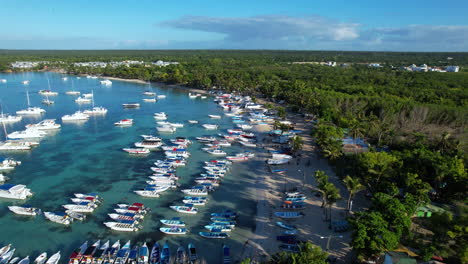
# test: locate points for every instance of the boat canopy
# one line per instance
(7, 186)
(130, 222)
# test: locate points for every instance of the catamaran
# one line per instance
(30, 110)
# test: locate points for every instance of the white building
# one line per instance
(452, 68)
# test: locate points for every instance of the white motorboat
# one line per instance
(195, 192)
(77, 116)
(150, 100)
(160, 116)
(152, 190)
(54, 259)
(122, 217)
(163, 123)
(174, 230)
(75, 215)
(25, 82)
(60, 218)
(88, 95)
(15, 146)
(5, 249)
(97, 110)
(148, 144)
(210, 126)
(48, 92)
(46, 124)
(3, 80)
(173, 222)
(7, 164)
(64, 78)
(151, 138)
(118, 226)
(186, 209)
(106, 82)
(131, 105)
(241, 156)
(168, 129)
(136, 150)
(79, 208)
(192, 96)
(6, 118)
(193, 121)
(161, 96)
(216, 152)
(83, 100)
(176, 153)
(149, 93)
(72, 92)
(247, 144)
(124, 122)
(176, 125)
(27, 134)
(5, 258)
(41, 259)
(24, 210)
(214, 116)
(244, 126)
(194, 200)
(180, 141)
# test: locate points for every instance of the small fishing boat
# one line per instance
(247, 144)
(151, 138)
(285, 226)
(174, 230)
(123, 217)
(150, 100)
(195, 200)
(133, 255)
(161, 96)
(155, 256)
(192, 253)
(214, 234)
(54, 259)
(77, 116)
(193, 121)
(47, 92)
(226, 214)
(143, 254)
(214, 116)
(221, 228)
(122, 255)
(173, 222)
(24, 210)
(79, 208)
(41, 259)
(76, 215)
(131, 105)
(160, 116)
(195, 192)
(165, 254)
(83, 100)
(14, 260)
(241, 156)
(289, 214)
(229, 224)
(124, 122)
(226, 254)
(210, 126)
(149, 93)
(216, 152)
(123, 226)
(60, 218)
(181, 257)
(186, 209)
(167, 128)
(137, 150)
(5, 249)
(7, 256)
(152, 190)
(148, 144)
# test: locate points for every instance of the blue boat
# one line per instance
(143, 254)
(226, 254)
(215, 233)
(155, 254)
(221, 219)
(165, 254)
(122, 254)
(285, 226)
(132, 256)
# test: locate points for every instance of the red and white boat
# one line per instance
(137, 150)
(124, 122)
(241, 156)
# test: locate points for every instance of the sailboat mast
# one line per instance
(27, 96)
(92, 93)
(4, 130)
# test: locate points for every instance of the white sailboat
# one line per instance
(72, 92)
(96, 110)
(6, 118)
(30, 110)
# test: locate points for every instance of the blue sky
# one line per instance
(397, 25)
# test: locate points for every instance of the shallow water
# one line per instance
(87, 157)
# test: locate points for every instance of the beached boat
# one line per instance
(173, 222)
(214, 234)
(12, 191)
(41, 259)
(131, 105)
(192, 253)
(244, 126)
(136, 150)
(143, 254)
(122, 226)
(124, 122)
(60, 218)
(289, 214)
(181, 257)
(155, 255)
(165, 254)
(24, 210)
(226, 254)
(174, 230)
(77, 116)
(210, 126)
(186, 209)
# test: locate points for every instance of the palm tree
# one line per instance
(354, 186)
(332, 195)
(321, 179)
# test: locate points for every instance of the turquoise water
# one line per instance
(83, 158)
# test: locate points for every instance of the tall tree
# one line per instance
(308, 253)
(354, 186)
